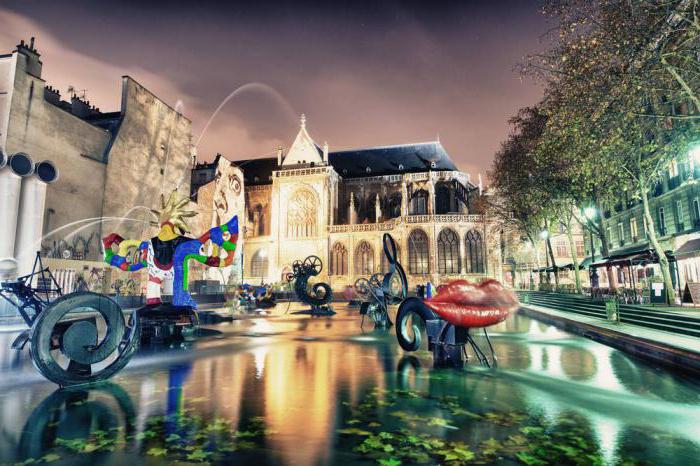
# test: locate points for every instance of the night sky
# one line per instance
(364, 73)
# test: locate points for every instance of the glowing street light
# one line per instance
(589, 212)
(544, 234)
(694, 153)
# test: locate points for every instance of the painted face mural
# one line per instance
(166, 255)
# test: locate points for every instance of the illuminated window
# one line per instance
(419, 202)
(673, 169)
(339, 260)
(561, 249)
(364, 259)
(259, 264)
(633, 228)
(621, 232)
(418, 253)
(448, 252)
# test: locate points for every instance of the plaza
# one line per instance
(359, 233)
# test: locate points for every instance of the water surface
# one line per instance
(307, 391)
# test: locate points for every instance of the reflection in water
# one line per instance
(278, 391)
(71, 416)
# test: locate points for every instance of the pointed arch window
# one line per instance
(339, 259)
(259, 264)
(448, 252)
(364, 259)
(474, 252)
(418, 253)
(419, 202)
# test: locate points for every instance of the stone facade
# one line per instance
(308, 201)
(112, 164)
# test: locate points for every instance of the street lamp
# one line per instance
(694, 153)
(544, 234)
(589, 212)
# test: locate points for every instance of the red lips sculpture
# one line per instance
(471, 305)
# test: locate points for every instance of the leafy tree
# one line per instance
(622, 82)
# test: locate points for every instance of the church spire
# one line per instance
(303, 150)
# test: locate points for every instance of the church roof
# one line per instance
(391, 160)
(385, 160)
(257, 171)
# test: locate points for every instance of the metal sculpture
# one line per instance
(167, 256)
(383, 290)
(81, 337)
(320, 293)
(448, 317)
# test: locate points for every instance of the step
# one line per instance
(635, 315)
(667, 328)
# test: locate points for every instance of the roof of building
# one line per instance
(390, 160)
(360, 163)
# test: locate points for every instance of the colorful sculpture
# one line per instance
(167, 255)
(448, 316)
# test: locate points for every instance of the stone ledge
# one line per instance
(683, 355)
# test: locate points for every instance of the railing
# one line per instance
(384, 226)
(302, 171)
(411, 219)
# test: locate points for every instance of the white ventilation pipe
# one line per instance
(30, 225)
(19, 166)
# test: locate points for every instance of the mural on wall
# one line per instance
(91, 279)
(229, 202)
(79, 249)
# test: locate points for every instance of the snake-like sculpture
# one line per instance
(167, 254)
(321, 293)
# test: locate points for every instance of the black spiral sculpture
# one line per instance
(319, 294)
(383, 290)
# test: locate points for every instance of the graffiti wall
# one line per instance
(217, 202)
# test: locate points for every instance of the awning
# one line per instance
(638, 255)
(689, 249)
(585, 263)
(568, 266)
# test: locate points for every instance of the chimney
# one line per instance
(33, 64)
(279, 156)
(79, 107)
(51, 95)
(19, 166)
(325, 152)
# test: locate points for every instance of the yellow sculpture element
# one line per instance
(172, 216)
